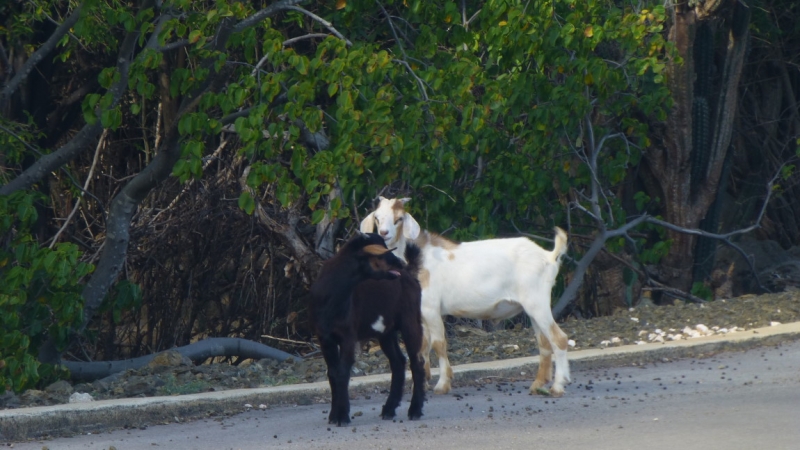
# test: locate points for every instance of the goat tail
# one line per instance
(413, 257)
(560, 246)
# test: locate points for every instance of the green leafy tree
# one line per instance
(493, 114)
(39, 294)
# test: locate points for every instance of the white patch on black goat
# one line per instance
(378, 325)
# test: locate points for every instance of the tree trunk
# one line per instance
(697, 136)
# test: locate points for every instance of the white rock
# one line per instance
(514, 346)
(774, 324)
(605, 343)
(675, 337)
(690, 333)
(651, 336)
(570, 342)
(80, 397)
(615, 340)
(642, 333)
(658, 331)
(640, 342)
(635, 319)
(248, 406)
(723, 330)
(701, 328)
(659, 338)
(262, 406)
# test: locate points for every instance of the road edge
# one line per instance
(70, 419)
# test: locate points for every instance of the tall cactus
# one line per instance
(701, 110)
(705, 248)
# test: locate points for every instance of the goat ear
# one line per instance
(368, 224)
(375, 250)
(404, 200)
(410, 227)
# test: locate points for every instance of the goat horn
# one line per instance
(375, 250)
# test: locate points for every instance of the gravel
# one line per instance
(466, 344)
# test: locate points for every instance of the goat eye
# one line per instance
(398, 220)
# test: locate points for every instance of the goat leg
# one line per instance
(397, 363)
(413, 347)
(338, 378)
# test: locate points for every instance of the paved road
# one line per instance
(748, 400)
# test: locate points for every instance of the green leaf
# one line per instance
(111, 118)
(317, 216)
(246, 202)
(195, 36)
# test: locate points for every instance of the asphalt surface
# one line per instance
(705, 393)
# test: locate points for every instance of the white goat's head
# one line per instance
(392, 221)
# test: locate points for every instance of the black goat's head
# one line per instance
(375, 259)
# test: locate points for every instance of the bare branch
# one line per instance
(420, 82)
(572, 289)
(391, 26)
(174, 45)
(197, 351)
(291, 41)
(85, 187)
(274, 8)
(324, 23)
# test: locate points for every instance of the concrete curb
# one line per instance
(70, 419)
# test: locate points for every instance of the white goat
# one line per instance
(489, 279)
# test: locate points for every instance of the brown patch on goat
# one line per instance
(559, 336)
(399, 208)
(544, 345)
(424, 278)
(443, 242)
(545, 372)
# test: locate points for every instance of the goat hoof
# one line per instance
(415, 415)
(441, 390)
(339, 421)
(387, 414)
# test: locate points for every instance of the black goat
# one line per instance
(365, 292)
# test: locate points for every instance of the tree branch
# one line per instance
(571, 291)
(324, 23)
(88, 133)
(38, 56)
(264, 13)
(85, 187)
(197, 352)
